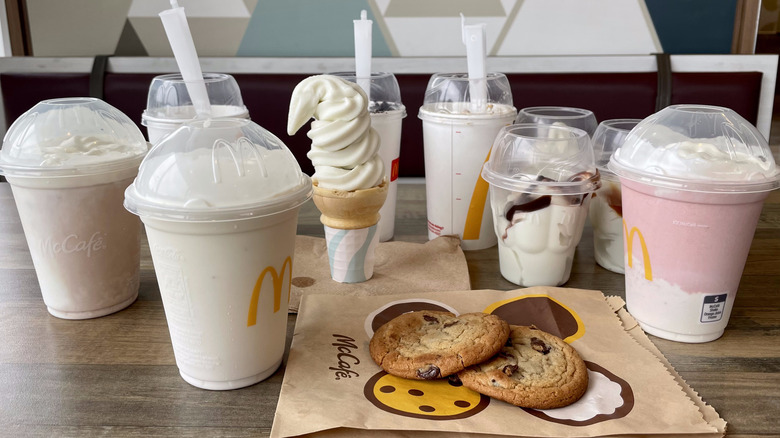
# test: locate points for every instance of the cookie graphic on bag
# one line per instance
(443, 399)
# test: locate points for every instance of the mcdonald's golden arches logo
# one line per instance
(278, 283)
(630, 244)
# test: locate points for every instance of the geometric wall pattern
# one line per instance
(323, 28)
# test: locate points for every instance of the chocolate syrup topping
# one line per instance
(528, 207)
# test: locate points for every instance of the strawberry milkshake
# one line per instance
(694, 180)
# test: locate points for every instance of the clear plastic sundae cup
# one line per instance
(68, 162)
(219, 199)
(457, 137)
(606, 211)
(541, 180)
(548, 115)
(168, 104)
(387, 113)
(694, 179)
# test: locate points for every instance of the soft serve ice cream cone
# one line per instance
(349, 178)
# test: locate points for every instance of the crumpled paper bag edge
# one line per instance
(632, 327)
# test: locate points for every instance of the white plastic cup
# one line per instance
(169, 105)
(456, 145)
(225, 287)
(694, 179)
(541, 180)
(606, 211)
(68, 179)
(387, 114)
(219, 199)
(388, 126)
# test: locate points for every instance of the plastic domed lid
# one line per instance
(448, 92)
(541, 159)
(71, 136)
(218, 169)
(609, 136)
(697, 148)
(385, 92)
(547, 115)
(168, 98)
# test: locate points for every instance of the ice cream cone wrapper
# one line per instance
(351, 253)
(350, 220)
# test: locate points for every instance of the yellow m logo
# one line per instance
(476, 207)
(630, 245)
(278, 282)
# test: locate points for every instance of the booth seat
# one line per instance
(609, 95)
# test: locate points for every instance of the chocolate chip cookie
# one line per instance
(432, 344)
(533, 370)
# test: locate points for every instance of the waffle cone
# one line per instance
(350, 210)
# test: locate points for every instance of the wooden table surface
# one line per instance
(116, 375)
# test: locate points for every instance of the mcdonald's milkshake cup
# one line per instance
(68, 162)
(457, 138)
(219, 199)
(694, 179)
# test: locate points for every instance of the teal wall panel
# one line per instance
(694, 26)
(307, 28)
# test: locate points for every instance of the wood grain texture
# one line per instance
(116, 375)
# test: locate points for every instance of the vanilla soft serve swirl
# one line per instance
(344, 148)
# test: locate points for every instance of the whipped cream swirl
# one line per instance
(344, 147)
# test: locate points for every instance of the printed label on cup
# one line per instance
(394, 170)
(713, 307)
(72, 243)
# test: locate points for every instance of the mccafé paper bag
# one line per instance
(332, 387)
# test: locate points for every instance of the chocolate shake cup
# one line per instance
(219, 199)
(606, 207)
(68, 162)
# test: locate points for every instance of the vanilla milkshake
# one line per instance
(68, 162)
(694, 179)
(219, 199)
(458, 137)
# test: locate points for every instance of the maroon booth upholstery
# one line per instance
(608, 95)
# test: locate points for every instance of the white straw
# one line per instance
(178, 31)
(363, 52)
(476, 52)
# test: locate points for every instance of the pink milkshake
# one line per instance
(694, 180)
